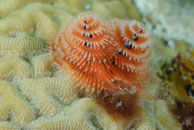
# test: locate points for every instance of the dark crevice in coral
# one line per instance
(95, 122)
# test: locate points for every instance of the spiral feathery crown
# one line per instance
(84, 49)
(131, 61)
(133, 47)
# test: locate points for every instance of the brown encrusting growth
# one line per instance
(109, 59)
(185, 114)
(120, 104)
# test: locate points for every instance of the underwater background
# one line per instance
(35, 94)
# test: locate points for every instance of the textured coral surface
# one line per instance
(36, 94)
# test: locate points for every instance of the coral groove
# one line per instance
(15, 108)
(13, 67)
(47, 93)
(78, 116)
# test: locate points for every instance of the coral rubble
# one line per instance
(170, 19)
(178, 76)
(178, 79)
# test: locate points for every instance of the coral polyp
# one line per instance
(85, 50)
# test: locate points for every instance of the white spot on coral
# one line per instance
(119, 104)
(132, 90)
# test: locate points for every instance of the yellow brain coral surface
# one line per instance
(79, 116)
(34, 94)
(20, 45)
(44, 93)
(161, 113)
(13, 106)
(7, 6)
(42, 65)
(13, 67)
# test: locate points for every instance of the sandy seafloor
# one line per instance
(34, 95)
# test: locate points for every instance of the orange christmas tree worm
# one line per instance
(85, 49)
(130, 67)
(110, 59)
(133, 53)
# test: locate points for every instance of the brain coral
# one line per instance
(35, 96)
(7, 6)
(15, 108)
(45, 93)
(13, 67)
(80, 115)
(27, 44)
